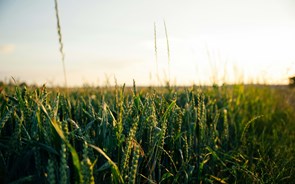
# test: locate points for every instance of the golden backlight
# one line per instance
(209, 42)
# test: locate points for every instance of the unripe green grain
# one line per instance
(86, 166)
(5, 118)
(63, 168)
(134, 165)
(51, 179)
(225, 135)
(127, 153)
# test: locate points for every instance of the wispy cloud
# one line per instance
(7, 48)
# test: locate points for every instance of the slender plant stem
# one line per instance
(60, 42)
(168, 50)
(156, 51)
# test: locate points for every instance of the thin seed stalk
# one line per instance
(60, 42)
(168, 50)
(156, 51)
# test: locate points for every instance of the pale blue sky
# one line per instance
(247, 41)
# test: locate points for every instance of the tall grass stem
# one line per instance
(60, 42)
(156, 51)
(168, 50)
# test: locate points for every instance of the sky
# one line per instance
(210, 41)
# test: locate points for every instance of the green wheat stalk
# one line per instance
(60, 42)
(134, 165)
(51, 178)
(168, 49)
(156, 51)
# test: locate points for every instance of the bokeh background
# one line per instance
(210, 41)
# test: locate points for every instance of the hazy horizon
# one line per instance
(210, 41)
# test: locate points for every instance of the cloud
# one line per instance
(7, 48)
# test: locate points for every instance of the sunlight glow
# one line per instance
(229, 42)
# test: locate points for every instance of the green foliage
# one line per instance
(228, 134)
